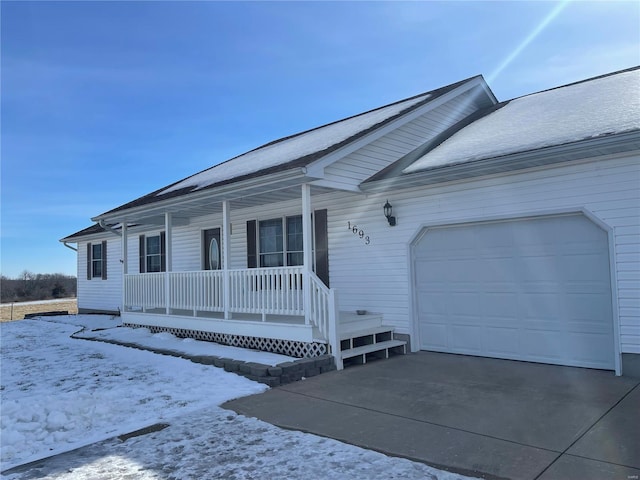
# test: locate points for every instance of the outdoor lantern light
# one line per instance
(388, 212)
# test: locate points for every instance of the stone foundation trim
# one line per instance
(281, 374)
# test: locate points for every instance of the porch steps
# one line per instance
(366, 352)
(364, 338)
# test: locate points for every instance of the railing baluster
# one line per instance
(268, 291)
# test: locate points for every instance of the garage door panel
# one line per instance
(592, 309)
(536, 268)
(543, 346)
(436, 305)
(501, 342)
(499, 305)
(587, 287)
(496, 269)
(584, 267)
(439, 240)
(428, 271)
(540, 305)
(590, 348)
(463, 303)
(465, 338)
(535, 289)
(435, 336)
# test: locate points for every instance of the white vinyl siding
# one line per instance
(372, 158)
(98, 294)
(376, 277)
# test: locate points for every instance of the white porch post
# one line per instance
(125, 263)
(168, 260)
(226, 258)
(306, 250)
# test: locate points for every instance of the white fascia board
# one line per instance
(316, 169)
(620, 144)
(223, 192)
(91, 236)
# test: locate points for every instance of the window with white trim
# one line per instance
(276, 249)
(153, 254)
(96, 260)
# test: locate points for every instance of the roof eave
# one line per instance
(581, 150)
(224, 192)
(78, 236)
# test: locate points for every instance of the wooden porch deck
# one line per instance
(284, 327)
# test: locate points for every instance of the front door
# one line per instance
(212, 249)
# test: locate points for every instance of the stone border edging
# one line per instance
(281, 374)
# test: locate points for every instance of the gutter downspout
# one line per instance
(108, 228)
(69, 246)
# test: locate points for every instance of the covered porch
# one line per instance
(260, 302)
(287, 302)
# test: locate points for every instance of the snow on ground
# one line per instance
(567, 114)
(218, 444)
(167, 341)
(60, 393)
(89, 322)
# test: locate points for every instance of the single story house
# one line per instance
(448, 221)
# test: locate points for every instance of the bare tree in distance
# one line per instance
(29, 286)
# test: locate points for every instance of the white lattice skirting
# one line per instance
(285, 347)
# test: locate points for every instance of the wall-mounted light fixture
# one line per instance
(388, 212)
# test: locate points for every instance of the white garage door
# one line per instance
(535, 289)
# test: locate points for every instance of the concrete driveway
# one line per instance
(476, 416)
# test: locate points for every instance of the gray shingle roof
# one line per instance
(176, 190)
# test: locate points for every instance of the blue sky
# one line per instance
(105, 102)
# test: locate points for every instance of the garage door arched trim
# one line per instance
(576, 327)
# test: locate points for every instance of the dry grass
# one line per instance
(21, 309)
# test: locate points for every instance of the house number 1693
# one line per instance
(359, 232)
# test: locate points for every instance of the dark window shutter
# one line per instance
(104, 260)
(163, 252)
(142, 255)
(322, 245)
(252, 247)
(89, 275)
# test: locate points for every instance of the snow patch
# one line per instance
(165, 340)
(59, 394)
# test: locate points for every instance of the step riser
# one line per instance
(363, 337)
(375, 349)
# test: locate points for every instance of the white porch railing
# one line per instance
(267, 291)
(198, 291)
(324, 314)
(263, 291)
(145, 291)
